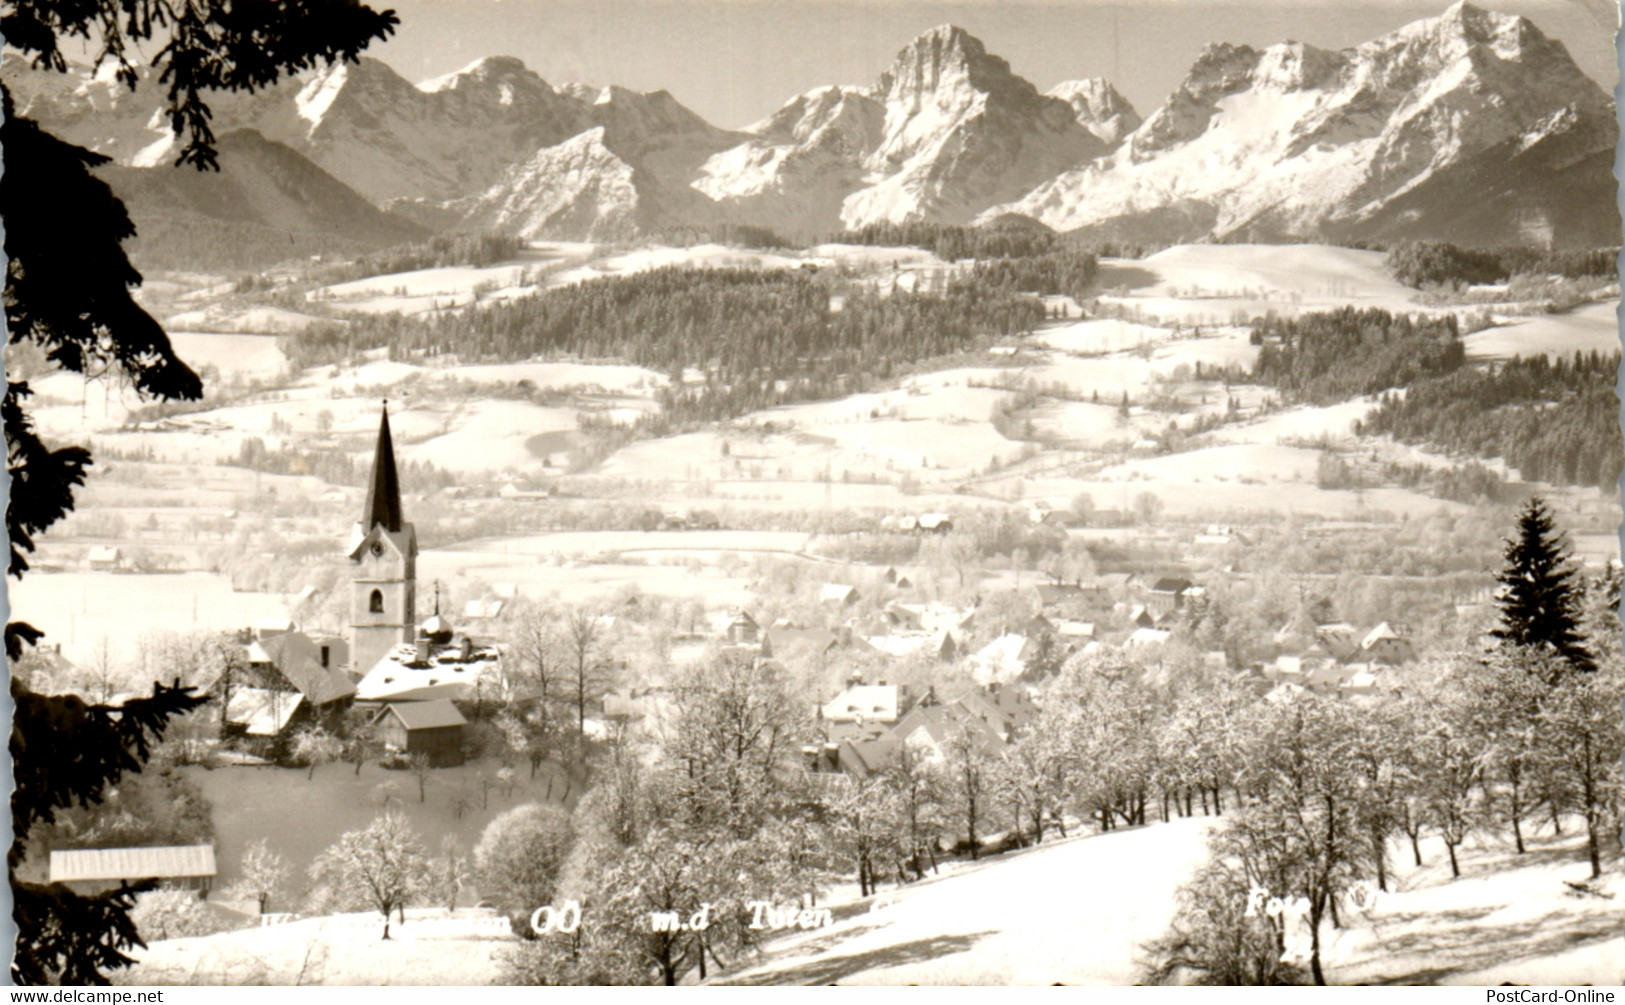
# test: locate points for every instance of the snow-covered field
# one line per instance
(1080, 911)
(342, 950)
(1209, 283)
(679, 575)
(1073, 912)
(489, 436)
(1590, 328)
(80, 609)
(1331, 422)
(1089, 338)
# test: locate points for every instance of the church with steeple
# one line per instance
(384, 560)
(395, 657)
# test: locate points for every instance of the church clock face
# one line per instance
(377, 550)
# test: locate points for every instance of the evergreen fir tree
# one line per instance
(1539, 597)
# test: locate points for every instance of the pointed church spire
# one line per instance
(384, 490)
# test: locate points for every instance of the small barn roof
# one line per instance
(436, 714)
(169, 862)
(838, 593)
(480, 610)
(864, 701)
(1380, 633)
(1170, 584)
(298, 658)
(455, 691)
(264, 712)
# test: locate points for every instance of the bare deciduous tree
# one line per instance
(380, 866)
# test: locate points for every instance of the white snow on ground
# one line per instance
(1093, 426)
(1310, 271)
(489, 436)
(1220, 464)
(577, 543)
(385, 304)
(1079, 911)
(1208, 283)
(918, 399)
(1074, 911)
(244, 356)
(1335, 422)
(862, 256)
(611, 377)
(256, 320)
(575, 582)
(710, 256)
(335, 950)
(450, 281)
(1593, 327)
(79, 609)
(1509, 918)
(1248, 491)
(1087, 338)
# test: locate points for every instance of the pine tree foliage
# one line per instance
(208, 45)
(67, 295)
(62, 936)
(1540, 597)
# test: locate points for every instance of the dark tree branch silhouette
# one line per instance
(67, 293)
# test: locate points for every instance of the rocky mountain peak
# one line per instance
(945, 62)
(1099, 108)
(483, 73)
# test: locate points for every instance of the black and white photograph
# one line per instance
(809, 492)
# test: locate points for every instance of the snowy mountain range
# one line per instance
(1471, 126)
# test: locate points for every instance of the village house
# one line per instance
(1001, 660)
(931, 617)
(1387, 643)
(838, 595)
(991, 716)
(105, 558)
(900, 645)
(739, 628)
(864, 711)
(1168, 595)
(286, 681)
(934, 729)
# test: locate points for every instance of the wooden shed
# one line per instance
(433, 727)
(95, 870)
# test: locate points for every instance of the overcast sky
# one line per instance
(734, 61)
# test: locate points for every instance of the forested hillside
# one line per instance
(1418, 263)
(1553, 421)
(748, 330)
(1330, 356)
